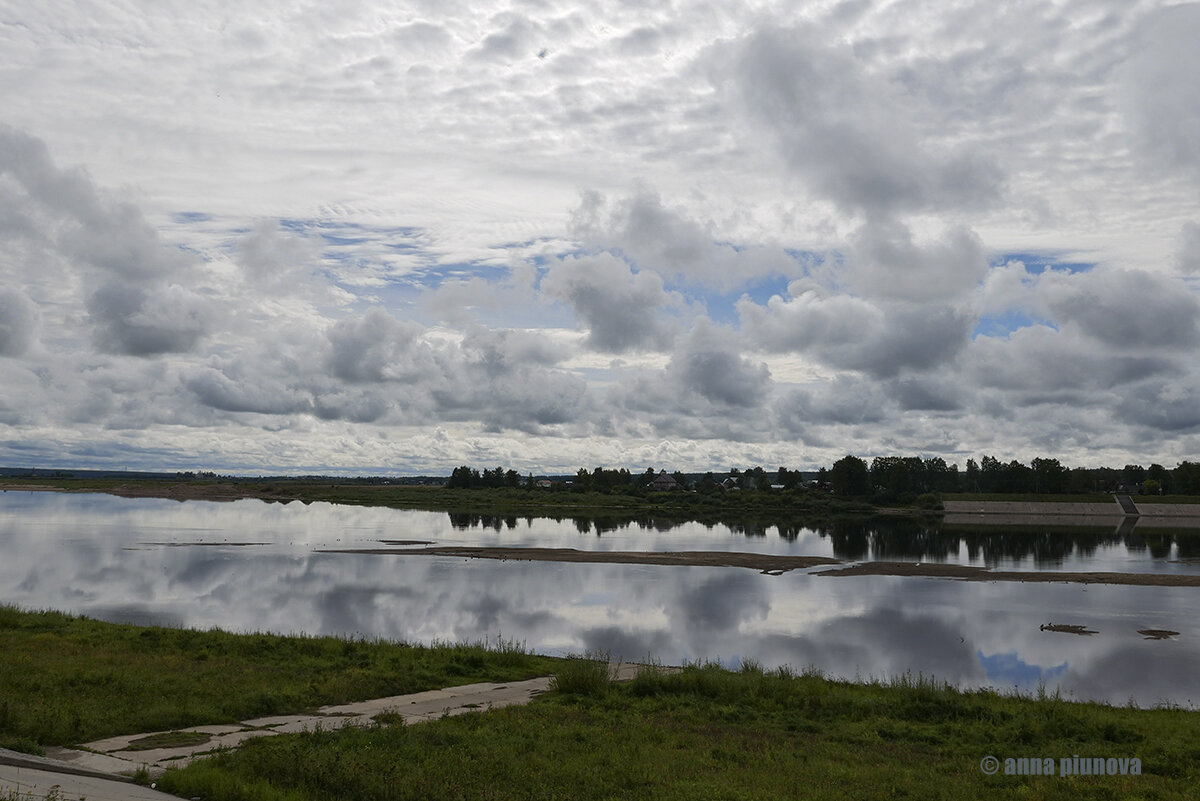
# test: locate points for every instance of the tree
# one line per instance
(972, 476)
(849, 476)
(1156, 472)
(1018, 477)
(1048, 475)
(939, 476)
(756, 478)
(991, 475)
(1186, 478)
(463, 478)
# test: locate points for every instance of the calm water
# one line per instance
(250, 565)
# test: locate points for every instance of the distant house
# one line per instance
(730, 483)
(545, 483)
(663, 482)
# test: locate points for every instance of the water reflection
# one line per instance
(105, 556)
(1046, 547)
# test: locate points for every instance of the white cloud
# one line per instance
(306, 236)
(1161, 94)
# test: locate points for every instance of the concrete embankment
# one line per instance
(1142, 514)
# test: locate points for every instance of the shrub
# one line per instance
(929, 501)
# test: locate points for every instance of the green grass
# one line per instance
(626, 505)
(66, 679)
(711, 733)
(701, 733)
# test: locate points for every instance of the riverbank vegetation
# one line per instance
(712, 733)
(704, 732)
(67, 679)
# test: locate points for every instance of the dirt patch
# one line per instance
(1158, 634)
(767, 563)
(1067, 628)
(969, 573)
(168, 739)
(774, 565)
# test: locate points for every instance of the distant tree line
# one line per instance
(886, 479)
(891, 478)
(469, 478)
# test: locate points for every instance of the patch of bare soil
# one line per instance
(969, 573)
(767, 563)
(1158, 634)
(1067, 628)
(773, 565)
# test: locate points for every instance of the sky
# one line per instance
(369, 237)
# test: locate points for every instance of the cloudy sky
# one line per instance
(293, 236)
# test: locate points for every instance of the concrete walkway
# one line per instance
(97, 771)
(34, 778)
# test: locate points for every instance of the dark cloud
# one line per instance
(846, 332)
(926, 394)
(524, 398)
(849, 135)
(668, 242)
(1188, 255)
(356, 407)
(18, 322)
(1168, 405)
(709, 363)
(844, 400)
(619, 307)
(1126, 308)
(1039, 360)
(376, 347)
(136, 299)
(148, 321)
(499, 350)
(214, 388)
(885, 262)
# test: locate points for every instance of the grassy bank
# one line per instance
(626, 506)
(710, 733)
(702, 733)
(66, 679)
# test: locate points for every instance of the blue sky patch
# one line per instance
(1036, 264)
(1009, 670)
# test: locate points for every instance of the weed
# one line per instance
(588, 675)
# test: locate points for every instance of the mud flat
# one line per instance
(767, 563)
(776, 565)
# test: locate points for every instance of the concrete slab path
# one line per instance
(113, 758)
(34, 778)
